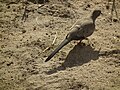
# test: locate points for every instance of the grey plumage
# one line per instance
(79, 32)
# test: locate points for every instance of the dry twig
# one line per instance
(54, 39)
(51, 44)
(25, 11)
(113, 9)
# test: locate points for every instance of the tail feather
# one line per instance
(66, 41)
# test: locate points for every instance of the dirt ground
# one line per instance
(23, 46)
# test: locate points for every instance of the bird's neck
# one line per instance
(93, 18)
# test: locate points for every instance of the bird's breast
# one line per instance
(88, 29)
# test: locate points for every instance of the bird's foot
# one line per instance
(92, 45)
(88, 43)
(77, 42)
(80, 43)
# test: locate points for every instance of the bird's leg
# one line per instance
(80, 41)
(77, 42)
(89, 42)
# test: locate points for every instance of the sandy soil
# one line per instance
(75, 67)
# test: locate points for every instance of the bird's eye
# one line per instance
(68, 35)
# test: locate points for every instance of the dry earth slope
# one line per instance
(75, 67)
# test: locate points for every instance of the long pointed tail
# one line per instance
(66, 41)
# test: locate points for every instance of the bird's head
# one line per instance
(95, 14)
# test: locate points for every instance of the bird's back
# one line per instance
(84, 29)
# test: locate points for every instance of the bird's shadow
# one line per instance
(78, 56)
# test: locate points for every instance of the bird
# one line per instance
(79, 31)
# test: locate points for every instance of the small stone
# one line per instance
(110, 23)
(88, 5)
(23, 31)
(107, 7)
(8, 7)
(46, 33)
(118, 36)
(34, 28)
(115, 20)
(14, 10)
(9, 63)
